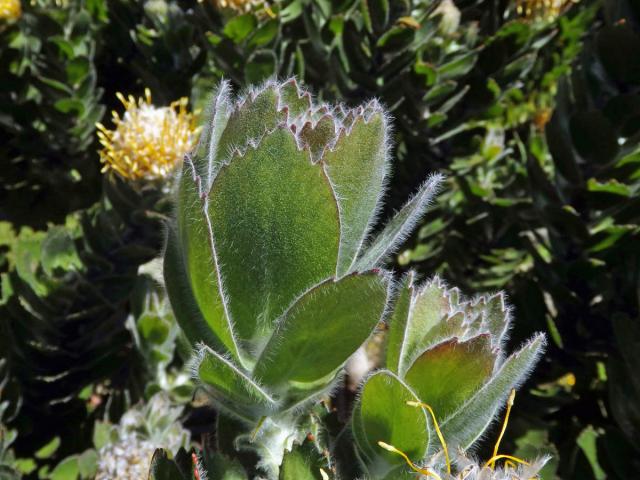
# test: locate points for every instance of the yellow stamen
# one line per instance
(267, 9)
(439, 433)
(123, 100)
(542, 9)
(509, 463)
(147, 141)
(512, 397)
(465, 473)
(238, 5)
(414, 467)
(568, 380)
(494, 459)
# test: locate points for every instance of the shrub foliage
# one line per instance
(530, 112)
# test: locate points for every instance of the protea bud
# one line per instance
(447, 375)
(269, 266)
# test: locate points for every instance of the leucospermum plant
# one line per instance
(271, 266)
(275, 277)
(447, 375)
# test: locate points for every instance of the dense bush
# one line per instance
(554, 221)
(531, 113)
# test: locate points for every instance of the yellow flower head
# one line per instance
(10, 10)
(237, 5)
(545, 10)
(148, 141)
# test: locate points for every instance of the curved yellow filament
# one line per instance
(494, 459)
(438, 432)
(414, 467)
(510, 462)
(512, 397)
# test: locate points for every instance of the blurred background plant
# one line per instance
(531, 108)
(552, 208)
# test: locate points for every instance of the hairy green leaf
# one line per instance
(386, 417)
(357, 167)
(275, 223)
(322, 329)
(398, 324)
(206, 159)
(183, 300)
(231, 386)
(301, 463)
(446, 375)
(466, 425)
(399, 227)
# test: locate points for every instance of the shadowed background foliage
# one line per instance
(531, 111)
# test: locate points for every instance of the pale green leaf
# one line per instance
(495, 318)
(468, 423)
(67, 469)
(297, 101)
(398, 323)
(357, 166)
(386, 417)
(233, 388)
(445, 376)
(256, 114)
(399, 227)
(88, 463)
(216, 118)
(275, 225)
(323, 329)
(428, 313)
(182, 298)
(200, 258)
(59, 251)
(49, 449)
(301, 463)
